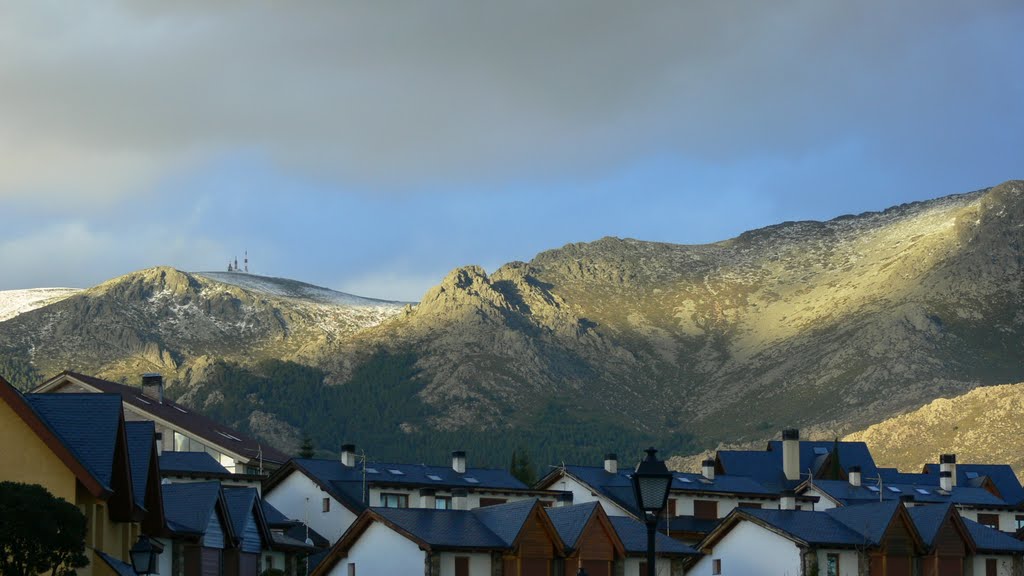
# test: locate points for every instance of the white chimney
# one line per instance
(459, 461)
(787, 500)
(946, 480)
(159, 443)
(348, 455)
(854, 475)
(947, 463)
(563, 499)
(791, 453)
(707, 468)
(460, 499)
(611, 463)
(428, 499)
(153, 386)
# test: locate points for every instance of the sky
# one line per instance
(372, 147)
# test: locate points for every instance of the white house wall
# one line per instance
(472, 499)
(382, 551)
(1004, 564)
(848, 562)
(662, 567)
(1007, 520)
(749, 550)
(684, 503)
(164, 560)
(479, 564)
(582, 494)
(289, 496)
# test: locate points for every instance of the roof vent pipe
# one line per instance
(611, 463)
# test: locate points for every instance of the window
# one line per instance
(991, 568)
(462, 566)
(671, 508)
(443, 503)
(716, 566)
(832, 565)
(352, 569)
(1020, 521)
(326, 505)
(395, 500)
(705, 509)
(643, 569)
(990, 520)
(492, 501)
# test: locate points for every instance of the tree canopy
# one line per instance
(39, 532)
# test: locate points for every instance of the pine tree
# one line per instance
(522, 468)
(306, 450)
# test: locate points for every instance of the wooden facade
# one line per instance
(597, 548)
(950, 549)
(899, 549)
(535, 548)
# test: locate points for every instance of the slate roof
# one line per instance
(570, 521)
(726, 483)
(141, 443)
(190, 463)
(120, 568)
(1001, 475)
(187, 419)
(688, 524)
(187, 506)
(91, 440)
(817, 528)
(506, 520)
(869, 520)
(633, 535)
(345, 483)
(894, 476)
(848, 494)
(765, 467)
(444, 528)
(240, 502)
(991, 540)
(274, 517)
(928, 520)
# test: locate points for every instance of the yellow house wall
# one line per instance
(26, 458)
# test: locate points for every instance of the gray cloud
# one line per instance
(101, 99)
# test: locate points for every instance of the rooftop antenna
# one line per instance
(259, 454)
(881, 486)
(366, 496)
(246, 261)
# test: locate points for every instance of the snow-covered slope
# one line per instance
(285, 288)
(14, 302)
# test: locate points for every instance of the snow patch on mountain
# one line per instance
(285, 288)
(15, 302)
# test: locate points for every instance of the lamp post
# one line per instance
(651, 481)
(143, 555)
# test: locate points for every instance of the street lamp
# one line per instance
(651, 481)
(143, 555)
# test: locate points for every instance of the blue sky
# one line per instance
(372, 147)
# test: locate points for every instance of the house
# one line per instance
(513, 539)
(333, 493)
(590, 539)
(671, 556)
(948, 543)
(996, 553)
(876, 539)
(695, 504)
(88, 462)
(199, 530)
(200, 466)
(179, 428)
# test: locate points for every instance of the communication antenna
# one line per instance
(246, 261)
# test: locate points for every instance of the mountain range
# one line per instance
(589, 348)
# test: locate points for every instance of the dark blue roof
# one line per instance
(868, 520)
(616, 487)
(188, 505)
(120, 568)
(570, 521)
(274, 517)
(928, 520)
(633, 535)
(87, 424)
(847, 493)
(240, 502)
(444, 528)
(816, 528)
(141, 442)
(1001, 475)
(765, 467)
(991, 540)
(190, 462)
(688, 524)
(506, 520)
(894, 476)
(727, 483)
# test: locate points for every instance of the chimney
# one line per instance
(787, 500)
(563, 499)
(854, 474)
(459, 461)
(907, 500)
(791, 453)
(159, 443)
(946, 480)
(348, 455)
(611, 463)
(460, 499)
(428, 499)
(707, 468)
(947, 462)
(153, 386)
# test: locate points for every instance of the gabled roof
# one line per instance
(507, 520)
(93, 438)
(191, 463)
(456, 529)
(141, 444)
(213, 433)
(929, 520)
(765, 467)
(992, 541)
(848, 494)
(345, 483)
(241, 502)
(570, 521)
(1001, 475)
(633, 535)
(188, 507)
(813, 528)
(274, 517)
(615, 487)
(871, 520)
